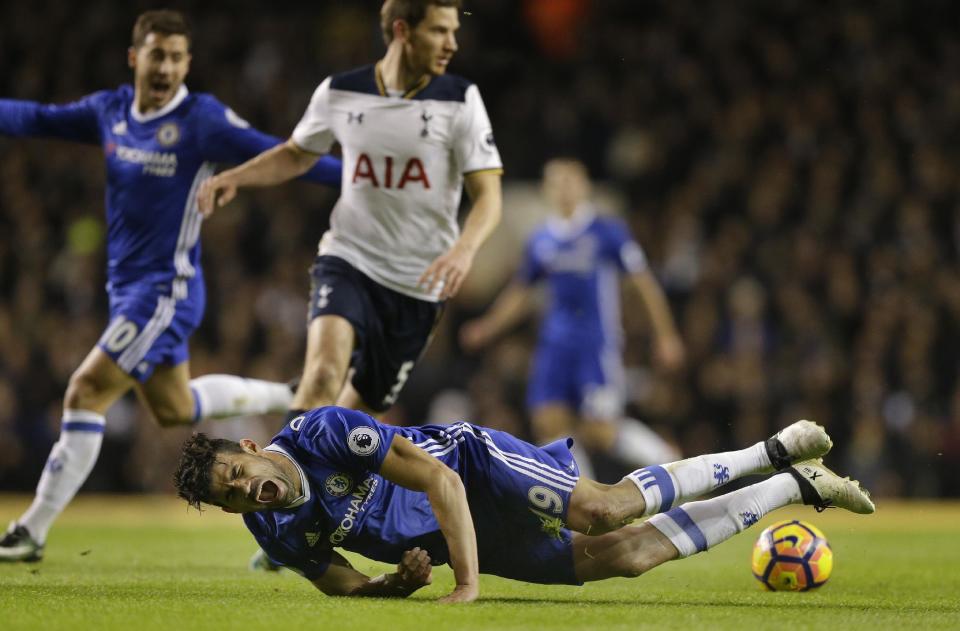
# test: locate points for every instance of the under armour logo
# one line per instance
(355, 117)
(815, 475)
(120, 128)
(324, 292)
(426, 117)
(54, 465)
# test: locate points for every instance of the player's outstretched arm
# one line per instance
(511, 306)
(274, 166)
(74, 121)
(413, 572)
(669, 346)
(411, 467)
(451, 268)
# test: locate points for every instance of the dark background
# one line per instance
(789, 167)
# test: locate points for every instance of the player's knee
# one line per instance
(168, 415)
(602, 516)
(82, 391)
(322, 382)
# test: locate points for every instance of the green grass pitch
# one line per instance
(143, 563)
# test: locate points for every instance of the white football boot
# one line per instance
(822, 488)
(803, 440)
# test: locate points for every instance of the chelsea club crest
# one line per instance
(338, 484)
(168, 134)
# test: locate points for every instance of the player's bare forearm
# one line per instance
(274, 166)
(279, 164)
(511, 306)
(448, 271)
(485, 193)
(448, 499)
(413, 572)
(411, 467)
(664, 328)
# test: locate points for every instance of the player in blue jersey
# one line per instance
(160, 142)
(486, 502)
(577, 372)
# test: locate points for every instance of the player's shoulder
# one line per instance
(208, 107)
(445, 87)
(329, 419)
(362, 80)
(121, 96)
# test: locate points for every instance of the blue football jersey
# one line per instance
(155, 164)
(513, 489)
(581, 260)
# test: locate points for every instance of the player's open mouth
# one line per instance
(159, 88)
(268, 492)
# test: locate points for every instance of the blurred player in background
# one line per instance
(412, 136)
(486, 502)
(577, 380)
(160, 142)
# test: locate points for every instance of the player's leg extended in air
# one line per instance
(167, 392)
(604, 548)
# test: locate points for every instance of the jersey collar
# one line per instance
(305, 496)
(409, 94)
(163, 111)
(582, 217)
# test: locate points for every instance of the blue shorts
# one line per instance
(148, 326)
(587, 379)
(519, 496)
(391, 329)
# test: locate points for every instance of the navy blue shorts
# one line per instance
(148, 326)
(391, 329)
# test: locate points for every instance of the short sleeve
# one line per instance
(308, 561)
(624, 250)
(474, 146)
(347, 438)
(314, 133)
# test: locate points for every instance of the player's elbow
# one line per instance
(443, 481)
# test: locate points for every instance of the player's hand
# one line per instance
(462, 594)
(669, 353)
(214, 193)
(447, 272)
(414, 570)
(474, 335)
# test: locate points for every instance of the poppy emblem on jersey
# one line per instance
(168, 134)
(363, 440)
(338, 484)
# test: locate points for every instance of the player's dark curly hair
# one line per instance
(192, 477)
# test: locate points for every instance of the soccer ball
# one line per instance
(792, 556)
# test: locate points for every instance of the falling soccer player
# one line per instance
(483, 501)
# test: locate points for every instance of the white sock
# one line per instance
(664, 486)
(697, 526)
(221, 396)
(70, 462)
(583, 461)
(638, 446)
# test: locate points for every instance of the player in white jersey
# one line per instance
(411, 137)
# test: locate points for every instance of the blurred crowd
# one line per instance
(790, 168)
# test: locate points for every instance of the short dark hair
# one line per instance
(199, 454)
(410, 11)
(163, 21)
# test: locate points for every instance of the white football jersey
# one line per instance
(404, 158)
